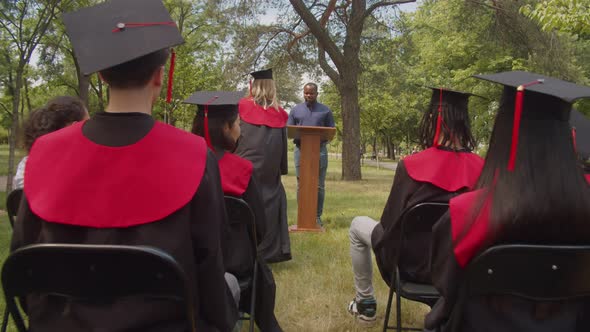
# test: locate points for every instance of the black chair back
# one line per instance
(243, 232)
(94, 272)
(538, 273)
(416, 230)
(533, 272)
(12, 204)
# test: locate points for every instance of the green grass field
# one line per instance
(313, 289)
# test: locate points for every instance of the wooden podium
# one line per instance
(309, 170)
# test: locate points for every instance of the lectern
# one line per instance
(309, 171)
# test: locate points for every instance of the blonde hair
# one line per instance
(264, 93)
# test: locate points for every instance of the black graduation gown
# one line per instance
(266, 148)
(238, 253)
(406, 192)
(191, 235)
(491, 313)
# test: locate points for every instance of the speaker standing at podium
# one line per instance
(312, 113)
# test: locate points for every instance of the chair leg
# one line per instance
(253, 297)
(398, 304)
(388, 310)
(5, 319)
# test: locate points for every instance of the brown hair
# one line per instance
(58, 113)
(135, 73)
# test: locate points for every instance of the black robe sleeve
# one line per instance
(284, 157)
(252, 197)
(208, 221)
(386, 236)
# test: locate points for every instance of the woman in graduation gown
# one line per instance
(218, 121)
(264, 143)
(444, 169)
(531, 191)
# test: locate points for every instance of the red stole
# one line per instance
(72, 180)
(468, 242)
(447, 170)
(587, 177)
(255, 114)
(235, 174)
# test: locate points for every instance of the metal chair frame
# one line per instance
(414, 214)
(247, 212)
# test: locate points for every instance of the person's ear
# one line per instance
(158, 77)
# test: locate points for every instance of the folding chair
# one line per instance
(12, 204)
(416, 225)
(240, 212)
(541, 273)
(94, 272)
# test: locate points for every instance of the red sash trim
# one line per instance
(72, 180)
(235, 174)
(467, 243)
(447, 170)
(587, 177)
(255, 114)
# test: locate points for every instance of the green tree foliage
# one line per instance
(571, 16)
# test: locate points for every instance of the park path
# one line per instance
(382, 164)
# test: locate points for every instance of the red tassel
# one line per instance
(438, 120)
(516, 125)
(574, 138)
(171, 77)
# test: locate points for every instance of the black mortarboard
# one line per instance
(581, 126)
(214, 104)
(552, 92)
(119, 31)
(566, 91)
(262, 74)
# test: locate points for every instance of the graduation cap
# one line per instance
(118, 31)
(218, 104)
(262, 74)
(452, 97)
(551, 91)
(581, 129)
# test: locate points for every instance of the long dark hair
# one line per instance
(456, 124)
(216, 124)
(58, 113)
(546, 198)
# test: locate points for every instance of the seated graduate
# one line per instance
(58, 113)
(531, 191)
(122, 178)
(218, 121)
(445, 168)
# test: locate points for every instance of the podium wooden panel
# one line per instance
(309, 170)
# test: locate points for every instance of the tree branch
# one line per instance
(332, 74)
(379, 4)
(319, 31)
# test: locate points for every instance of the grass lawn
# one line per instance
(313, 290)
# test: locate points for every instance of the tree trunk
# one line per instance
(351, 133)
(13, 128)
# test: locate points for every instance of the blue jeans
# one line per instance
(322, 177)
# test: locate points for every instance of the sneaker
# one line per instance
(364, 310)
